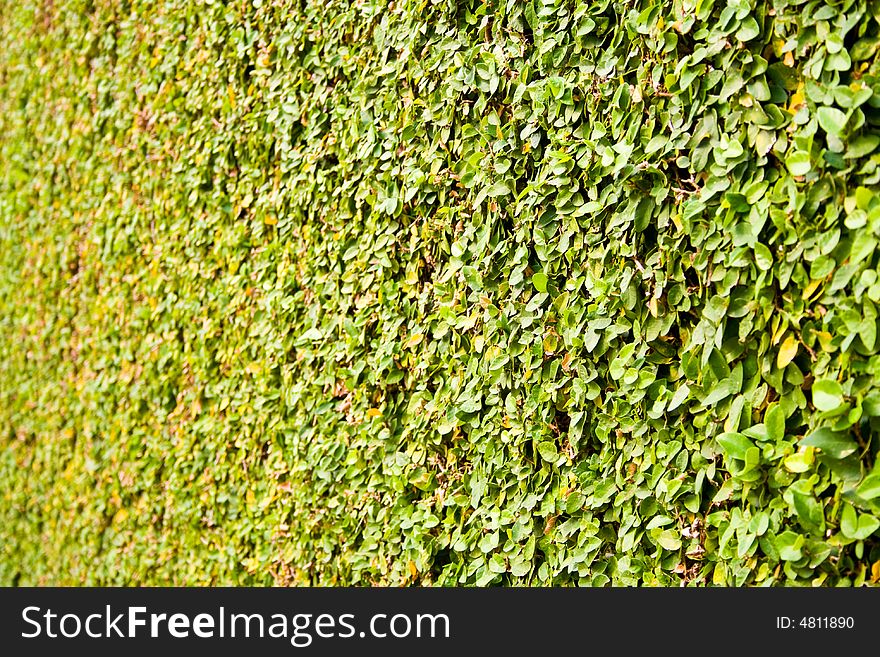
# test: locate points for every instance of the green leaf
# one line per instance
(868, 332)
(835, 444)
(735, 444)
(857, 526)
(763, 257)
(774, 420)
(539, 280)
(548, 451)
(861, 146)
(869, 489)
(831, 119)
(809, 511)
(863, 245)
(849, 521)
(827, 394)
(757, 432)
(470, 404)
(834, 43)
(759, 523)
(798, 163)
(679, 397)
(865, 48)
(789, 545)
(799, 462)
(574, 503)
(312, 334)
(722, 390)
(669, 540)
(498, 189)
(489, 542)
(867, 526)
(748, 30)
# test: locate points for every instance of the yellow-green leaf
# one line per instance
(787, 351)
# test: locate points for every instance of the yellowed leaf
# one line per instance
(811, 289)
(825, 339)
(798, 98)
(787, 351)
(566, 361)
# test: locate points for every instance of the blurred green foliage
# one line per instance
(438, 292)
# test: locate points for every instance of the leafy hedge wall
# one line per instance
(438, 292)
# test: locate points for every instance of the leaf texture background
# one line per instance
(439, 293)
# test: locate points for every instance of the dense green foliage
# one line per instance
(437, 292)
